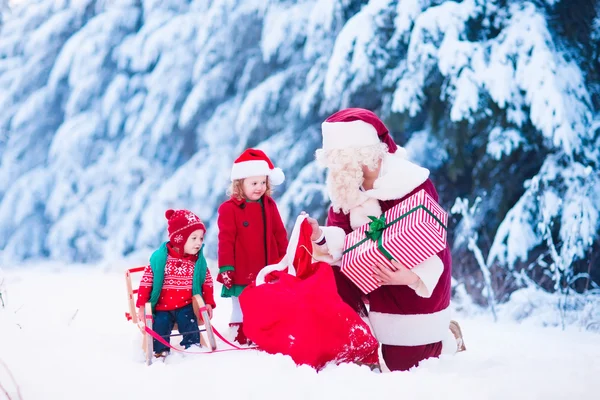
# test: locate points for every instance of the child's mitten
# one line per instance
(227, 278)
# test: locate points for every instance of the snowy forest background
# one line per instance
(112, 111)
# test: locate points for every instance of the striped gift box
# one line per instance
(410, 232)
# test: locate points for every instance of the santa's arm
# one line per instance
(429, 272)
(330, 246)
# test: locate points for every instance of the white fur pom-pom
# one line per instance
(276, 176)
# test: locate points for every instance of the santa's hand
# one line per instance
(314, 224)
(402, 275)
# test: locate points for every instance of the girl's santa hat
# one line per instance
(355, 128)
(254, 162)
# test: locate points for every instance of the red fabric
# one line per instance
(181, 223)
(361, 114)
(208, 293)
(304, 317)
(403, 358)
(254, 155)
(398, 299)
(240, 337)
(226, 278)
(242, 234)
(177, 285)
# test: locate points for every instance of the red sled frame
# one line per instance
(200, 311)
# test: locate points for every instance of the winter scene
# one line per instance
(299, 199)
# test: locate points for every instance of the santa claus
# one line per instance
(367, 175)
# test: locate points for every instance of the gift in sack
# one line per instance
(410, 232)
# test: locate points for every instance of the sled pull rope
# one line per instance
(308, 251)
(12, 378)
(156, 336)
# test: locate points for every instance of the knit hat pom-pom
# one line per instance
(169, 213)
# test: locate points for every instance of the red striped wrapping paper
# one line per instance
(415, 237)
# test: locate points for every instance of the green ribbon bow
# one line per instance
(376, 227)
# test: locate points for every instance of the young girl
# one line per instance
(176, 273)
(251, 232)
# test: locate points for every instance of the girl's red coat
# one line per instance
(247, 241)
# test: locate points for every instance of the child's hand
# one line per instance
(209, 310)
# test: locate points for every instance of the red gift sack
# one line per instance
(299, 312)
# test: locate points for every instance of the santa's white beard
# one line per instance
(344, 189)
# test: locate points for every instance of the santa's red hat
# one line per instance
(354, 128)
(181, 224)
(254, 162)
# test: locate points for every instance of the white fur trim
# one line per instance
(331, 251)
(429, 272)
(359, 215)
(288, 260)
(246, 169)
(398, 177)
(343, 135)
(410, 330)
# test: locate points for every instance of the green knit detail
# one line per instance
(158, 261)
(226, 268)
(235, 291)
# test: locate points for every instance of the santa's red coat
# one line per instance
(398, 309)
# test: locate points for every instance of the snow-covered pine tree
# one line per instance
(112, 111)
(508, 101)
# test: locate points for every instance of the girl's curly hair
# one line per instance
(236, 189)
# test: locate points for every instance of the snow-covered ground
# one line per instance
(63, 335)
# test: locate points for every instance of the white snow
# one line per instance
(64, 336)
(357, 55)
(503, 142)
(284, 30)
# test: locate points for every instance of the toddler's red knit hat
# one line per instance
(181, 223)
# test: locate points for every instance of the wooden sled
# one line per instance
(147, 343)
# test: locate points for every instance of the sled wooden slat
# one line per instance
(204, 319)
(130, 301)
(149, 344)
